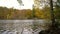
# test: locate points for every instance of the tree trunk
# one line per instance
(52, 13)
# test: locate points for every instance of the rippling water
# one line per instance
(17, 25)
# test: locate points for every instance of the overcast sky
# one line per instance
(15, 4)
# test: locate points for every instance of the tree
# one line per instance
(52, 14)
(57, 9)
(20, 2)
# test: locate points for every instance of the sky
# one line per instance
(14, 3)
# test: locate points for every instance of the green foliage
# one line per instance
(57, 10)
(42, 13)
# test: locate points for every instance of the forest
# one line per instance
(41, 9)
(10, 13)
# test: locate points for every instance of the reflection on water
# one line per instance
(14, 26)
(8, 32)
